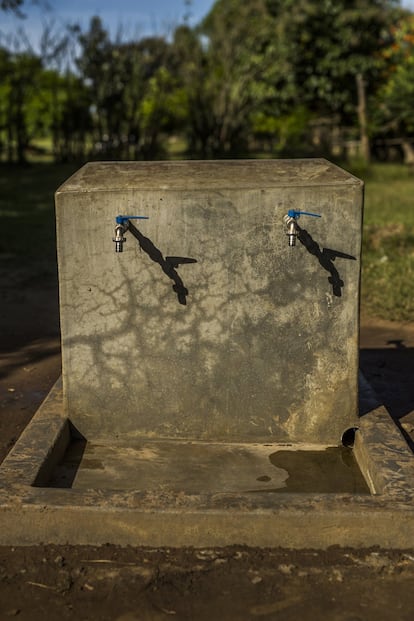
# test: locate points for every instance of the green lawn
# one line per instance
(27, 223)
(388, 242)
(27, 217)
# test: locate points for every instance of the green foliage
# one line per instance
(251, 73)
(156, 111)
(228, 69)
(129, 86)
(261, 60)
(18, 93)
(388, 275)
(287, 131)
(395, 99)
(329, 43)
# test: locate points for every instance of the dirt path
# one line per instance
(232, 584)
(29, 350)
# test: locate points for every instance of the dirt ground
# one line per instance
(231, 584)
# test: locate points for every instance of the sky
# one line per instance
(135, 17)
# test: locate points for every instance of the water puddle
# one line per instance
(330, 471)
(194, 467)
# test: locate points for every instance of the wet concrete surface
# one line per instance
(200, 467)
(329, 471)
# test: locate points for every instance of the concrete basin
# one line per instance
(57, 486)
(210, 370)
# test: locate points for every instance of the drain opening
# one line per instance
(348, 437)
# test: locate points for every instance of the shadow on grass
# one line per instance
(27, 216)
(29, 324)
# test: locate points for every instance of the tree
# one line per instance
(95, 66)
(20, 74)
(394, 102)
(148, 89)
(129, 83)
(250, 64)
(335, 49)
(225, 74)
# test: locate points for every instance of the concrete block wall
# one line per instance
(210, 326)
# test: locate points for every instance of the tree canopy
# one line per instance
(252, 75)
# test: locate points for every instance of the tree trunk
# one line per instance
(362, 119)
(408, 151)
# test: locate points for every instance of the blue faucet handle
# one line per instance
(292, 213)
(123, 219)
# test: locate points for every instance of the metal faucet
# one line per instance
(122, 225)
(290, 219)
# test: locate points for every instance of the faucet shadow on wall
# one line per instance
(168, 265)
(326, 257)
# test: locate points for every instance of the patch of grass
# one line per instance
(388, 272)
(388, 242)
(27, 216)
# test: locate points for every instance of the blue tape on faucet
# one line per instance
(292, 213)
(122, 219)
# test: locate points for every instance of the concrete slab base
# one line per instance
(57, 487)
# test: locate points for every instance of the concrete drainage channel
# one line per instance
(210, 411)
